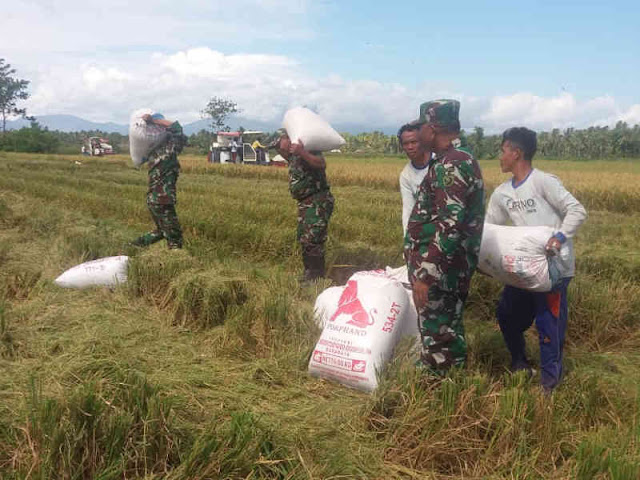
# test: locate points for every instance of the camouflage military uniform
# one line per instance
(309, 186)
(441, 249)
(164, 170)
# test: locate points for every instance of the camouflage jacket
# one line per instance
(445, 227)
(164, 167)
(305, 181)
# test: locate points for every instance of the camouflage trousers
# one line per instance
(314, 213)
(442, 330)
(167, 226)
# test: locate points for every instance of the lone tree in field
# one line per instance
(218, 109)
(11, 90)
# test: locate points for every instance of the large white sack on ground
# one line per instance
(143, 137)
(359, 336)
(400, 274)
(315, 133)
(326, 304)
(108, 271)
(516, 256)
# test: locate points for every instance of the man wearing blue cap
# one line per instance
(443, 237)
(164, 170)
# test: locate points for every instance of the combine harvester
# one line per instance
(248, 148)
(96, 147)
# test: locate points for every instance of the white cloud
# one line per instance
(100, 60)
(562, 111)
(180, 84)
(631, 116)
(264, 86)
(531, 110)
(95, 78)
(42, 28)
(206, 63)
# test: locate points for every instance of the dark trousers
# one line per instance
(517, 311)
(167, 226)
(442, 330)
(314, 213)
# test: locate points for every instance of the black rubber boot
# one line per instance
(315, 269)
(307, 268)
(148, 239)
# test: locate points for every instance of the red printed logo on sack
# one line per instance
(358, 366)
(349, 304)
(334, 361)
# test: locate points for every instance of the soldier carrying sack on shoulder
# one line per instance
(164, 170)
(308, 185)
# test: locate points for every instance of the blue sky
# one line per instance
(543, 64)
(589, 48)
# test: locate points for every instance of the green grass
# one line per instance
(197, 367)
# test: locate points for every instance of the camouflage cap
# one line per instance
(443, 113)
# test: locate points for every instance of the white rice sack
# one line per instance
(108, 271)
(143, 137)
(400, 274)
(326, 304)
(361, 331)
(312, 130)
(410, 326)
(516, 256)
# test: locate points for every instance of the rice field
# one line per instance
(196, 368)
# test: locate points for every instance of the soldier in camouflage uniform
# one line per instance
(164, 170)
(309, 186)
(443, 237)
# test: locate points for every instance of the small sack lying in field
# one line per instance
(362, 323)
(516, 256)
(315, 133)
(108, 272)
(143, 137)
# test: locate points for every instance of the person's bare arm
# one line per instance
(157, 121)
(314, 161)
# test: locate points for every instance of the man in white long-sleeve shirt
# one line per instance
(414, 172)
(533, 198)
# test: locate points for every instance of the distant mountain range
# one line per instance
(71, 123)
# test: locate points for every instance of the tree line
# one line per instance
(621, 141)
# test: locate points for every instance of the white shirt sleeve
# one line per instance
(571, 211)
(408, 200)
(496, 214)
